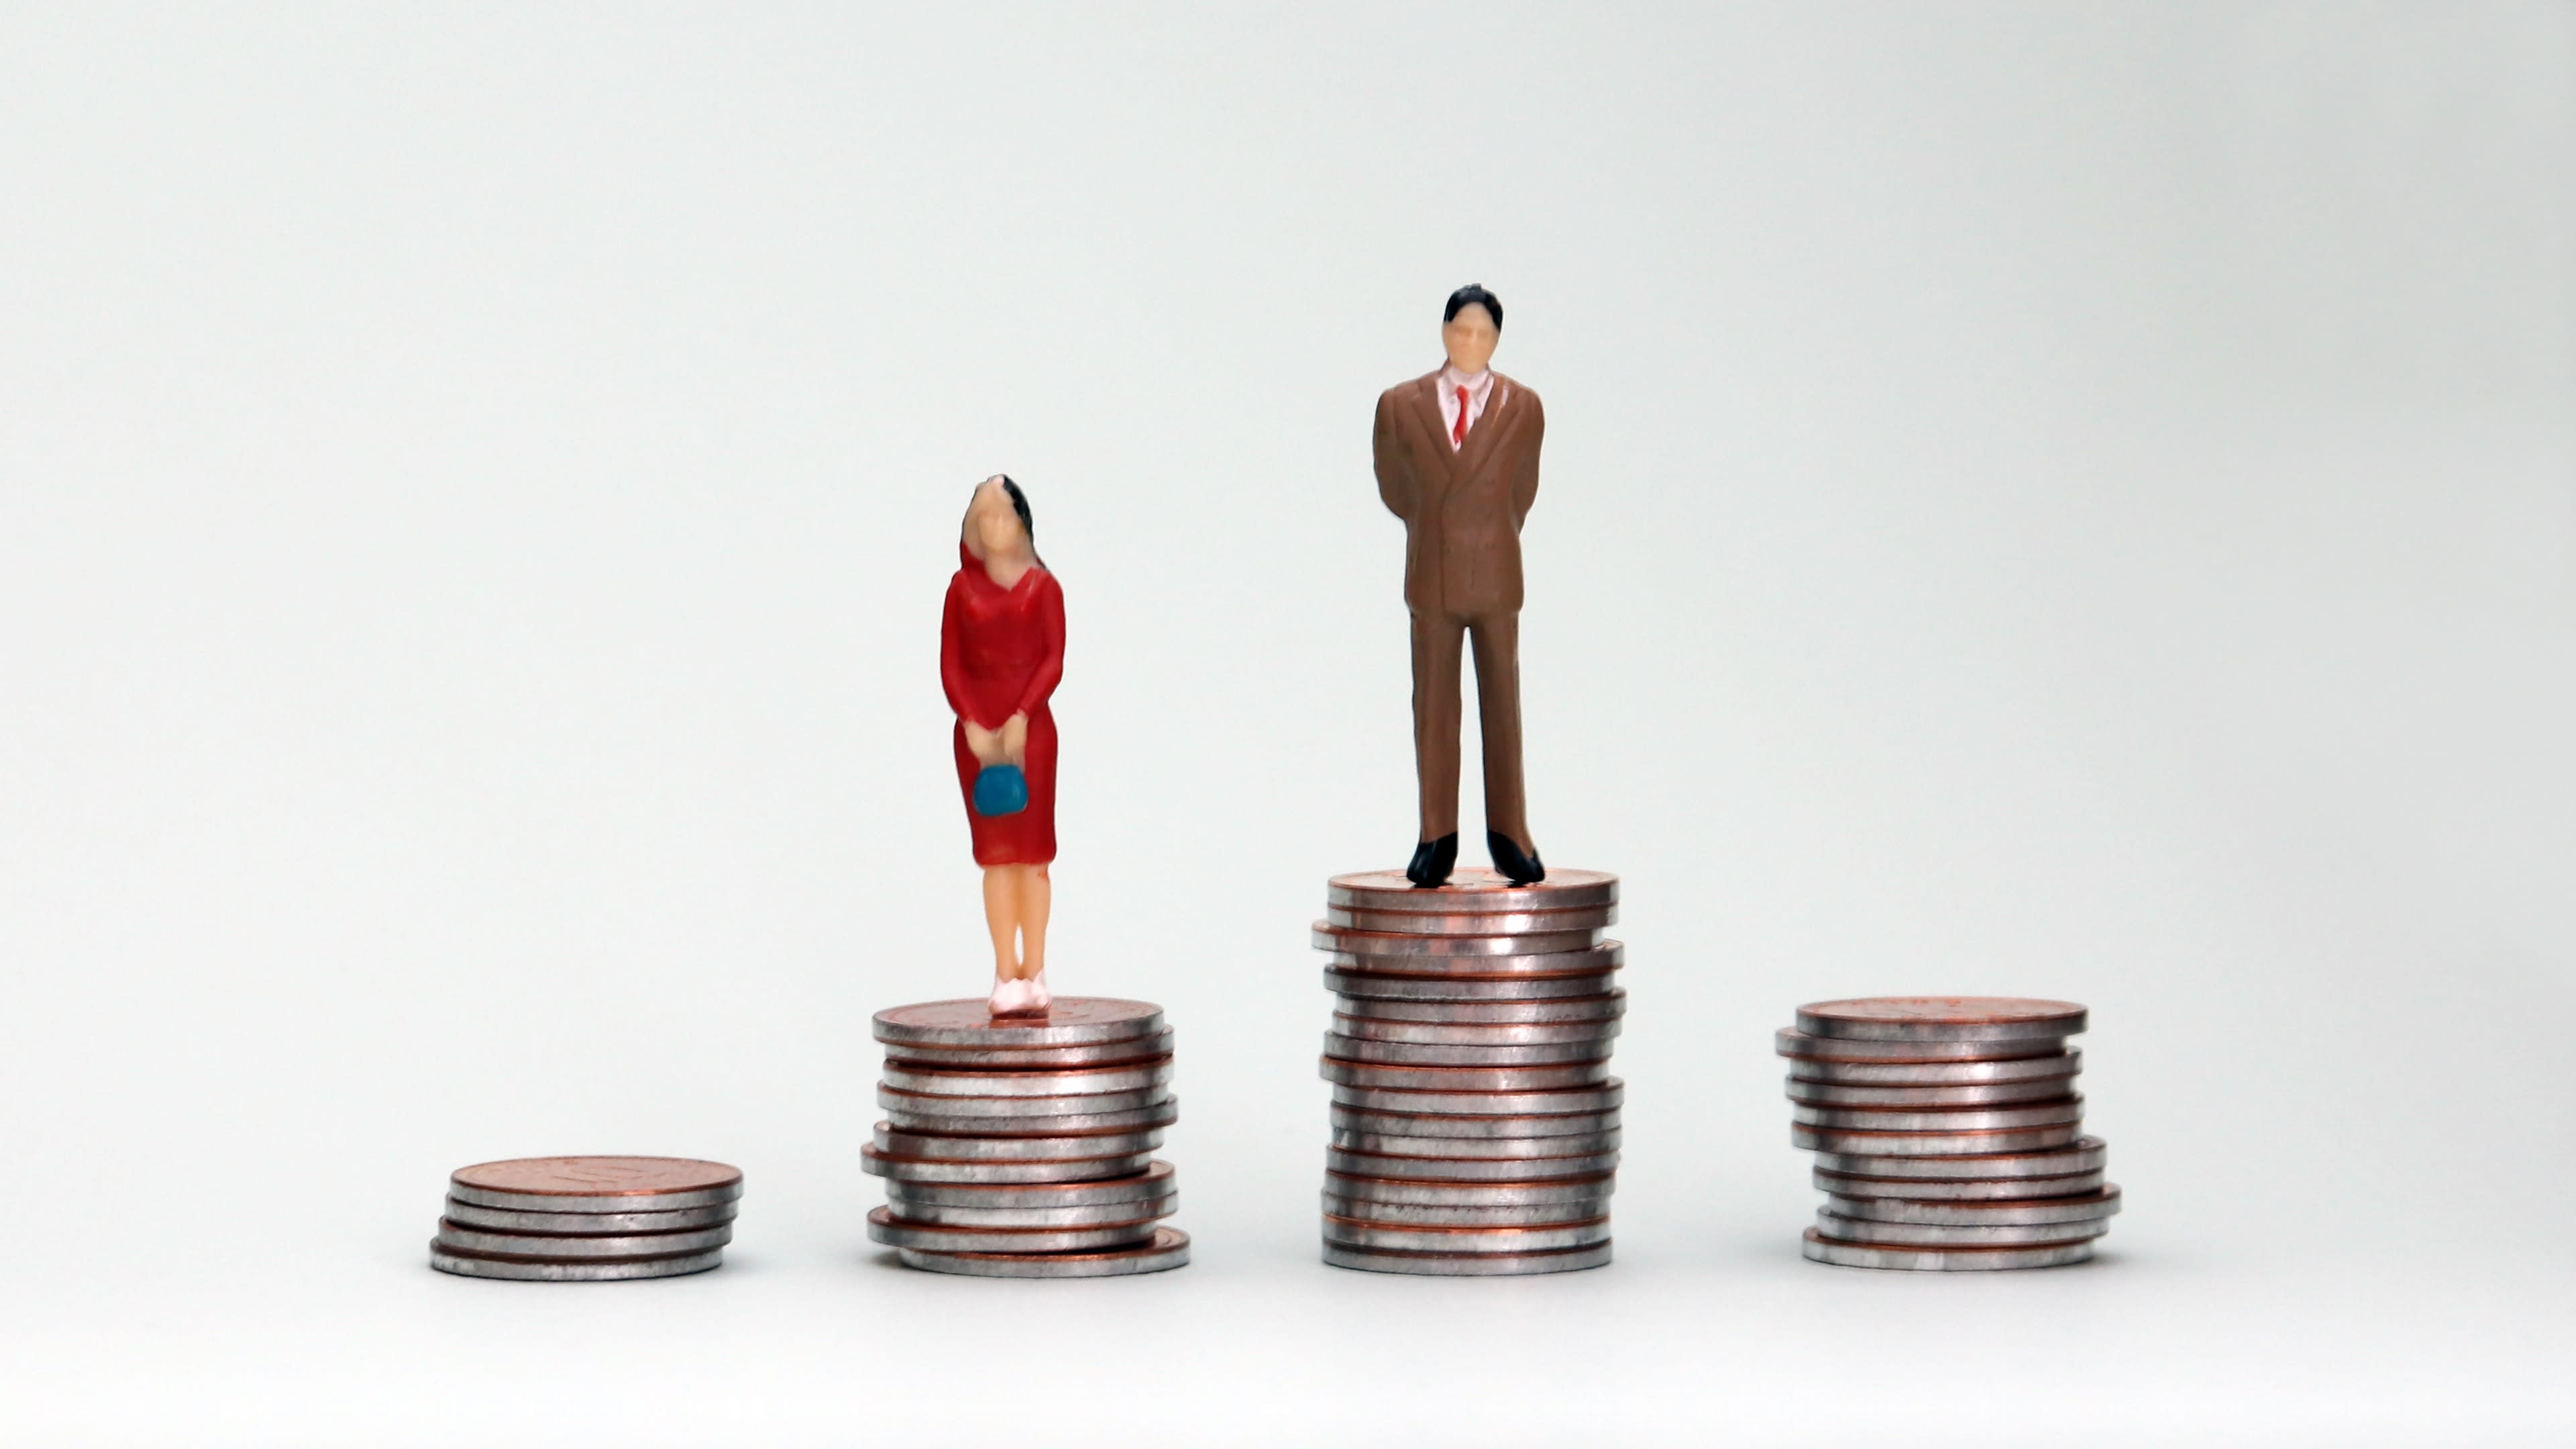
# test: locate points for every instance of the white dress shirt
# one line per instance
(1479, 386)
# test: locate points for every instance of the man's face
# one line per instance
(1470, 337)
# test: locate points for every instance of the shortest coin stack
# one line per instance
(1023, 1147)
(586, 1219)
(1948, 1133)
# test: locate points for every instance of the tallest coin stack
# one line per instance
(1475, 1120)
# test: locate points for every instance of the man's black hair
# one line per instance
(1473, 292)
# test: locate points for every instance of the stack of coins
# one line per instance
(1023, 1147)
(1475, 1121)
(586, 1219)
(1947, 1133)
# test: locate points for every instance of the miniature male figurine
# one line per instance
(1457, 460)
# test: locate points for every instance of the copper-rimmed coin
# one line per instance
(1416, 952)
(1940, 1018)
(1456, 1125)
(1073, 1081)
(1467, 1265)
(1473, 888)
(1855, 1141)
(1522, 965)
(1547, 1214)
(1465, 1079)
(1608, 1006)
(1070, 1021)
(1405, 1053)
(1472, 923)
(1490, 1147)
(511, 1220)
(1424, 1238)
(1156, 1180)
(1605, 1097)
(1032, 1059)
(1067, 1104)
(2083, 1154)
(884, 1227)
(1168, 1248)
(2013, 1213)
(1955, 1235)
(1466, 1169)
(1074, 1170)
(1975, 1094)
(1478, 1034)
(1830, 1049)
(596, 1184)
(1413, 1192)
(477, 1265)
(1933, 1190)
(568, 1246)
(1355, 985)
(1937, 1074)
(1064, 1218)
(1161, 1114)
(1943, 1119)
(1822, 1249)
(986, 1148)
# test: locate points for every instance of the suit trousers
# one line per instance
(1437, 651)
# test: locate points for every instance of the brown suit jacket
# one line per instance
(1462, 510)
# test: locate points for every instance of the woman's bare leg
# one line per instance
(1002, 917)
(1036, 897)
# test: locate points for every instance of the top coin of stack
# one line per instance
(1475, 1121)
(1948, 1132)
(1023, 1147)
(586, 1219)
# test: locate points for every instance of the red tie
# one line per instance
(1458, 434)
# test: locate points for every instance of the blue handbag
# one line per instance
(1001, 790)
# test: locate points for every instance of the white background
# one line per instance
(2070, 500)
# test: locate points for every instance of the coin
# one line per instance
(1155, 1180)
(1550, 1214)
(1936, 1074)
(986, 1148)
(1466, 1169)
(1473, 888)
(1070, 1021)
(1606, 1007)
(1943, 1119)
(509, 1220)
(1354, 985)
(2083, 1154)
(1467, 1265)
(1510, 1033)
(1053, 1218)
(1086, 1104)
(1106, 1054)
(1167, 1248)
(1080, 1169)
(1602, 1098)
(1830, 1049)
(1085, 1081)
(561, 1246)
(1415, 1193)
(1472, 923)
(1425, 1238)
(1495, 1147)
(1928, 1190)
(1459, 1124)
(1162, 1114)
(884, 1227)
(1465, 1079)
(1405, 1053)
(596, 1184)
(2024, 1212)
(1940, 1018)
(1974, 1094)
(1418, 952)
(1951, 1235)
(1957, 1259)
(1860, 1142)
(475, 1265)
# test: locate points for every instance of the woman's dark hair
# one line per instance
(1020, 506)
(1473, 292)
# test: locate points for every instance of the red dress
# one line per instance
(1001, 652)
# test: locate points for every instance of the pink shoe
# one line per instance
(1037, 999)
(1006, 998)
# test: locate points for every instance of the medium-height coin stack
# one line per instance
(1023, 1147)
(586, 1219)
(1947, 1133)
(1475, 1120)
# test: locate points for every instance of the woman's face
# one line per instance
(992, 525)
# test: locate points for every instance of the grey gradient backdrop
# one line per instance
(2061, 499)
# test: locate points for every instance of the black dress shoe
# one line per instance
(1433, 860)
(1516, 865)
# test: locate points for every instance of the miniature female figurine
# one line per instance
(1001, 652)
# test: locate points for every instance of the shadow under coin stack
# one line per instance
(1023, 1147)
(586, 1219)
(1947, 1133)
(1475, 1120)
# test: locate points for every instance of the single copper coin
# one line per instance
(1466, 1079)
(1473, 923)
(1466, 1265)
(1858, 1142)
(1070, 1021)
(1798, 1044)
(1396, 952)
(596, 1184)
(1940, 1018)
(1473, 888)
(1168, 1248)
